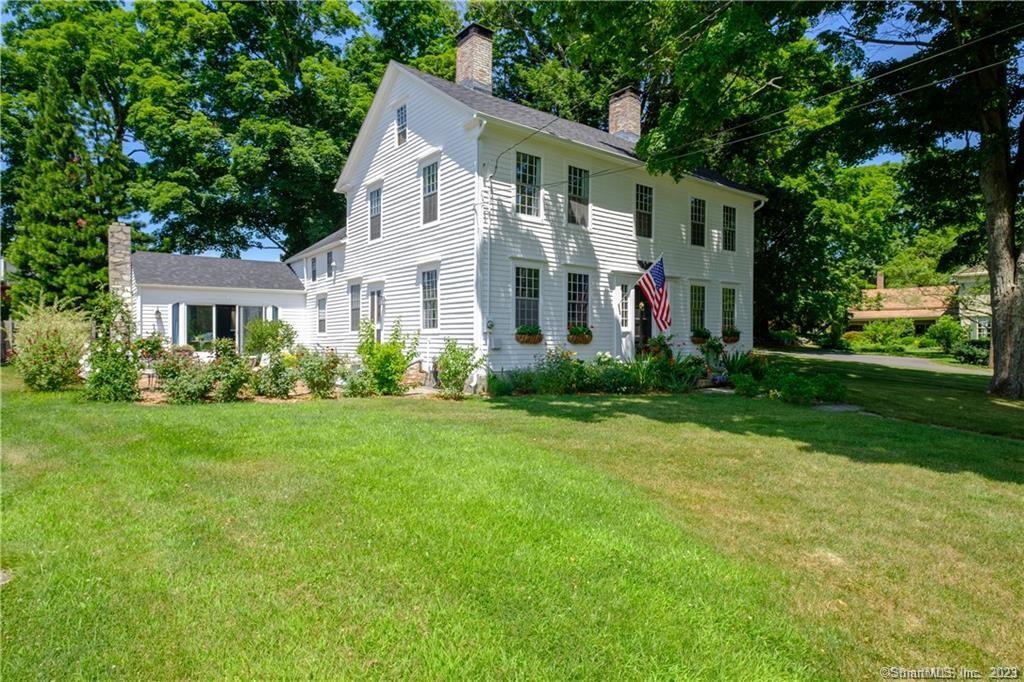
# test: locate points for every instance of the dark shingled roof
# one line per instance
(204, 271)
(335, 236)
(567, 130)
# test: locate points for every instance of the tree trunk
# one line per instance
(1005, 270)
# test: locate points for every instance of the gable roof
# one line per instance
(333, 237)
(571, 131)
(172, 269)
(909, 302)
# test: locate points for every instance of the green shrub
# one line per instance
(386, 361)
(833, 338)
(740, 362)
(231, 375)
(746, 385)
(276, 379)
(190, 382)
(560, 372)
(795, 389)
(947, 332)
(683, 374)
(49, 342)
(828, 388)
(512, 382)
(320, 372)
(172, 362)
(359, 384)
(268, 337)
(150, 347)
(454, 365)
(784, 337)
(114, 363)
(926, 342)
(972, 352)
(888, 333)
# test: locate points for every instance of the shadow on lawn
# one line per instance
(859, 437)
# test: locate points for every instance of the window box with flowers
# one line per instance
(529, 334)
(699, 335)
(580, 334)
(730, 335)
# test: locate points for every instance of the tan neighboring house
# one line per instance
(923, 305)
(974, 301)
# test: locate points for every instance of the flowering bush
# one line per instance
(114, 363)
(454, 365)
(319, 371)
(49, 343)
(268, 337)
(276, 379)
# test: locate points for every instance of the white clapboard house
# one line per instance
(468, 216)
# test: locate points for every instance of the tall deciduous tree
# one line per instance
(986, 104)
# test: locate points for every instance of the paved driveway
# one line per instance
(896, 361)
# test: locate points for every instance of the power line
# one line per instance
(612, 171)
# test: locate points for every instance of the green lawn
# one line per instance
(955, 400)
(695, 536)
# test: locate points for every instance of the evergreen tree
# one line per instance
(67, 196)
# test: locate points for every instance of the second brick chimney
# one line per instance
(473, 58)
(624, 114)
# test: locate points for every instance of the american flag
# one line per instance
(656, 290)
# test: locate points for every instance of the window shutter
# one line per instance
(174, 323)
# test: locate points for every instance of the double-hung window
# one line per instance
(527, 297)
(698, 211)
(428, 287)
(527, 184)
(353, 307)
(578, 299)
(643, 216)
(579, 196)
(697, 298)
(728, 308)
(429, 173)
(330, 264)
(728, 228)
(374, 200)
(312, 268)
(401, 131)
(321, 314)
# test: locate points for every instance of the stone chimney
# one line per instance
(624, 114)
(119, 259)
(473, 59)
(880, 280)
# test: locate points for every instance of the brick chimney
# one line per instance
(473, 59)
(624, 114)
(880, 280)
(119, 259)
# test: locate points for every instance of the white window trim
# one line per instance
(348, 290)
(539, 218)
(433, 157)
(707, 284)
(653, 194)
(379, 185)
(689, 224)
(313, 274)
(395, 107)
(591, 279)
(541, 268)
(590, 202)
(321, 297)
(434, 266)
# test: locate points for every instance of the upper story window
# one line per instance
(578, 299)
(401, 131)
(312, 268)
(698, 211)
(353, 307)
(579, 195)
(527, 297)
(374, 200)
(643, 216)
(429, 174)
(728, 228)
(527, 184)
(696, 307)
(428, 287)
(321, 314)
(330, 264)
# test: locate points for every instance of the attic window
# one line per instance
(401, 131)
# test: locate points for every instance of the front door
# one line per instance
(226, 318)
(377, 311)
(641, 322)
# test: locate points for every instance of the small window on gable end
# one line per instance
(312, 268)
(374, 201)
(330, 264)
(401, 131)
(429, 173)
